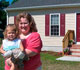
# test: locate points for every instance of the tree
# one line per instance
(3, 4)
(14, 1)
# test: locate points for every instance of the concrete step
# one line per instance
(75, 50)
(75, 45)
(75, 53)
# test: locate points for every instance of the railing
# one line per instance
(69, 36)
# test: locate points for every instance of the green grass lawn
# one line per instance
(49, 62)
(1, 62)
(1, 59)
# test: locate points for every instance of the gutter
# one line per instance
(45, 6)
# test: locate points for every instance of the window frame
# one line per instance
(50, 24)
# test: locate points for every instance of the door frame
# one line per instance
(76, 28)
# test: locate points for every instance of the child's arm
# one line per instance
(21, 54)
(4, 53)
(21, 46)
(1, 50)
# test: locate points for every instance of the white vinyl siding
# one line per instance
(11, 20)
(70, 22)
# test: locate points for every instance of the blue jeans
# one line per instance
(39, 68)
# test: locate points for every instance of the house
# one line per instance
(53, 18)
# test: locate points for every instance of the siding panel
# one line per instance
(70, 21)
(11, 20)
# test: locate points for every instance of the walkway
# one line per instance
(69, 58)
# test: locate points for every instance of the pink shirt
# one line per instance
(32, 42)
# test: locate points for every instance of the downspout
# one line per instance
(7, 16)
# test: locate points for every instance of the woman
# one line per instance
(30, 39)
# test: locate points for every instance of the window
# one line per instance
(54, 22)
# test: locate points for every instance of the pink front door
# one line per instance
(78, 28)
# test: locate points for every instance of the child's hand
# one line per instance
(7, 54)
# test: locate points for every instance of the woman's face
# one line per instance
(24, 26)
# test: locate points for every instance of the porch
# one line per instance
(70, 46)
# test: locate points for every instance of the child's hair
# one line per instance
(11, 27)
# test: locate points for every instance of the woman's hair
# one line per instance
(30, 19)
(11, 27)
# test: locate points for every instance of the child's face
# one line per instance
(11, 35)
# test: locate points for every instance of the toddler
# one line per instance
(12, 48)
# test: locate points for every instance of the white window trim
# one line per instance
(50, 23)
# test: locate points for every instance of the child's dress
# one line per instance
(12, 49)
(10, 45)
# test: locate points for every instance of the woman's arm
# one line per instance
(1, 50)
(34, 45)
(30, 53)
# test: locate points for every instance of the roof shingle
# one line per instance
(31, 3)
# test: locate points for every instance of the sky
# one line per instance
(9, 1)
